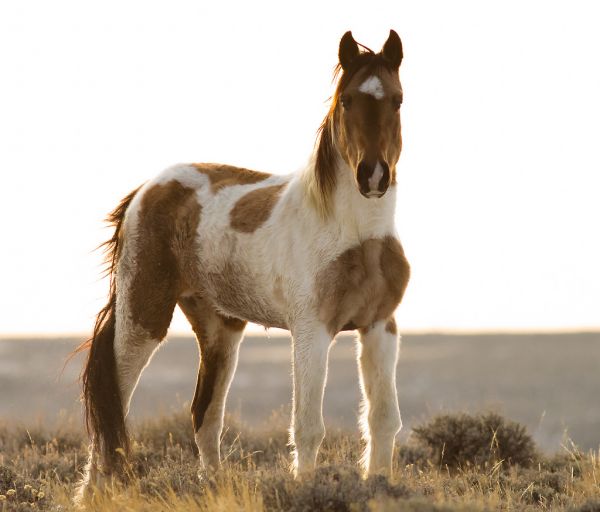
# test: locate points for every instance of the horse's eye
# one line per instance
(397, 102)
(346, 101)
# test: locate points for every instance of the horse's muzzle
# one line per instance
(373, 179)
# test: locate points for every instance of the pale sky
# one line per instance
(498, 196)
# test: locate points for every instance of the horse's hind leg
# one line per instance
(134, 347)
(139, 314)
(219, 339)
(380, 422)
(134, 344)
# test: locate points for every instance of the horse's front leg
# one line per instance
(380, 421)
(310, 350)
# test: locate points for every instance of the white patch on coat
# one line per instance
(310, 355)
(380, 415)
(187, 175)
(373, 86)
(376, 178)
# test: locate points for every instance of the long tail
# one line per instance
(104, 416)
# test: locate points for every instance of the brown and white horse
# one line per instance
(314, 252)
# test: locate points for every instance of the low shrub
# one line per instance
(461, 440)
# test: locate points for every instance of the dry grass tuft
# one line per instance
(38, 470)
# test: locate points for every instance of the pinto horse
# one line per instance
(313, 252)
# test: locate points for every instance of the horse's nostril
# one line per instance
(364, 170)
(363, 173)
(384, 181)
(373, 179)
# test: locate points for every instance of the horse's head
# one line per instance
(366, 113)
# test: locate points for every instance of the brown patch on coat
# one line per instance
(227, 175)
(363, 285)
(167, 223)
(213, 331)
(396, 271)
(390, 326)
(254, 208)
(205, 386)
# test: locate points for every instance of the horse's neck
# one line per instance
(357, 215)
(353, 217)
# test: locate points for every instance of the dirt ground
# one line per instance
(549, 382)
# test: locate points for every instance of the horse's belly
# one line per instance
(239, 292)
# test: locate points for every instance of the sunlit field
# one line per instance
(455, 462)
(539, 453)
(489, 143)
(548, 382)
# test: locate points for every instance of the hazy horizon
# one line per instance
(257, 331)
(545, 381)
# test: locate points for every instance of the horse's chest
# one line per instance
(363, 285)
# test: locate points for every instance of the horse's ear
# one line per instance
(348, 50)
(392, 49)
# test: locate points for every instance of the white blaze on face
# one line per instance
(376, 178)
(372, 86)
